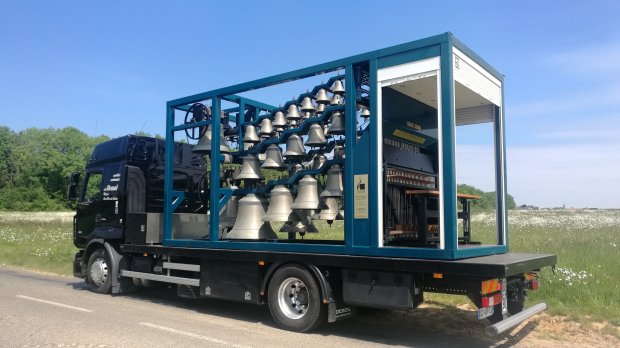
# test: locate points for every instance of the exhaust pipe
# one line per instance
(512, 321)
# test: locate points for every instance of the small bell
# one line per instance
(338, 87)
(293, 113)
(337, 100)
(333, 183)
(249, 223)
(250, 136)
(321, 97)
(279, 121)
(306, 105)
(294, 169)
(273, 158)
(280, 202)
(337, 126)
(294, 147)
(365, 112)
(301, 223)
(318, 161)
(250, 169)
(316, 137)
(320, 108)
(266, 128)
(308, 194)
(204, 143)
(332, 212)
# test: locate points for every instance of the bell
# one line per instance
(204, 143)
(294, 169)
(293, 113)
(293, 123)
(338, 87)
(339, 152)
(308, 194)
(337, 126)
(279, 121)
(249, 223)
(279, 204)
(228, 214)
(318, 161)
(294, 147)
(333, 183)
(321, 97)
(273, 158)
(316, 137)
(250, 169)
(332, 212)
(250, 136)
(306, 105)
(306, 114)
(320, 108)
(266, 128)
(337, 100)
(300, 223)
(365, 112)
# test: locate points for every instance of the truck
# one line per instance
(346, 196)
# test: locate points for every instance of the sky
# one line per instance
(108, 67)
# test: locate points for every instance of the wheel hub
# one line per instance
(293, 298)
(99, 271)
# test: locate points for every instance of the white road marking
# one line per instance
(54, 303)
(193, 335)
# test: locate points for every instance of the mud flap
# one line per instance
(119, 284)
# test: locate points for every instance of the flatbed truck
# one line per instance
(379, 138)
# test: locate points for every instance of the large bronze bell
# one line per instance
(333, 183)
(332, 212)
(279, 121)
(308, 194)
(250, 136)
(337, 126)
(321, 97)
(266, 128)
(294, 147)
(301, 223)
(280, 203)
(318, 161)
(249, 223)
(250, 168)
(316, 137)
(293, 113)
(337, 87)
(306, 105)
(273, 158)
(204, 143)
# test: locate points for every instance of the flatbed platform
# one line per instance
(499, 265)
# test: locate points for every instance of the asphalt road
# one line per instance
(51, 311)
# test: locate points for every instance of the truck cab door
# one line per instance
(88, 207)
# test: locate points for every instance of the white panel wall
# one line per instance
(471, 75)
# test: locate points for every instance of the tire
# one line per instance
(99, 272)
(295, 300)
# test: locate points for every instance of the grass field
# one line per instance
(585, 286)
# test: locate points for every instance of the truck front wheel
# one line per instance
(295, 300)
(98, 272)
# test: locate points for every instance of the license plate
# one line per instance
(485, 312)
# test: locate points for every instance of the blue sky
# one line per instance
(109, 67)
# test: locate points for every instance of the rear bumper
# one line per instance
(78, 265)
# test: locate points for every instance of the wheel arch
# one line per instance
(319, 277)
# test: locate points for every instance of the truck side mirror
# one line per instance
(74, 180)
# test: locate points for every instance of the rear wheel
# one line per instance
(98, 272)
(295, 300)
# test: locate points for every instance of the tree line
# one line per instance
(35, 164)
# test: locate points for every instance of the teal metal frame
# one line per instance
(361, 156)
